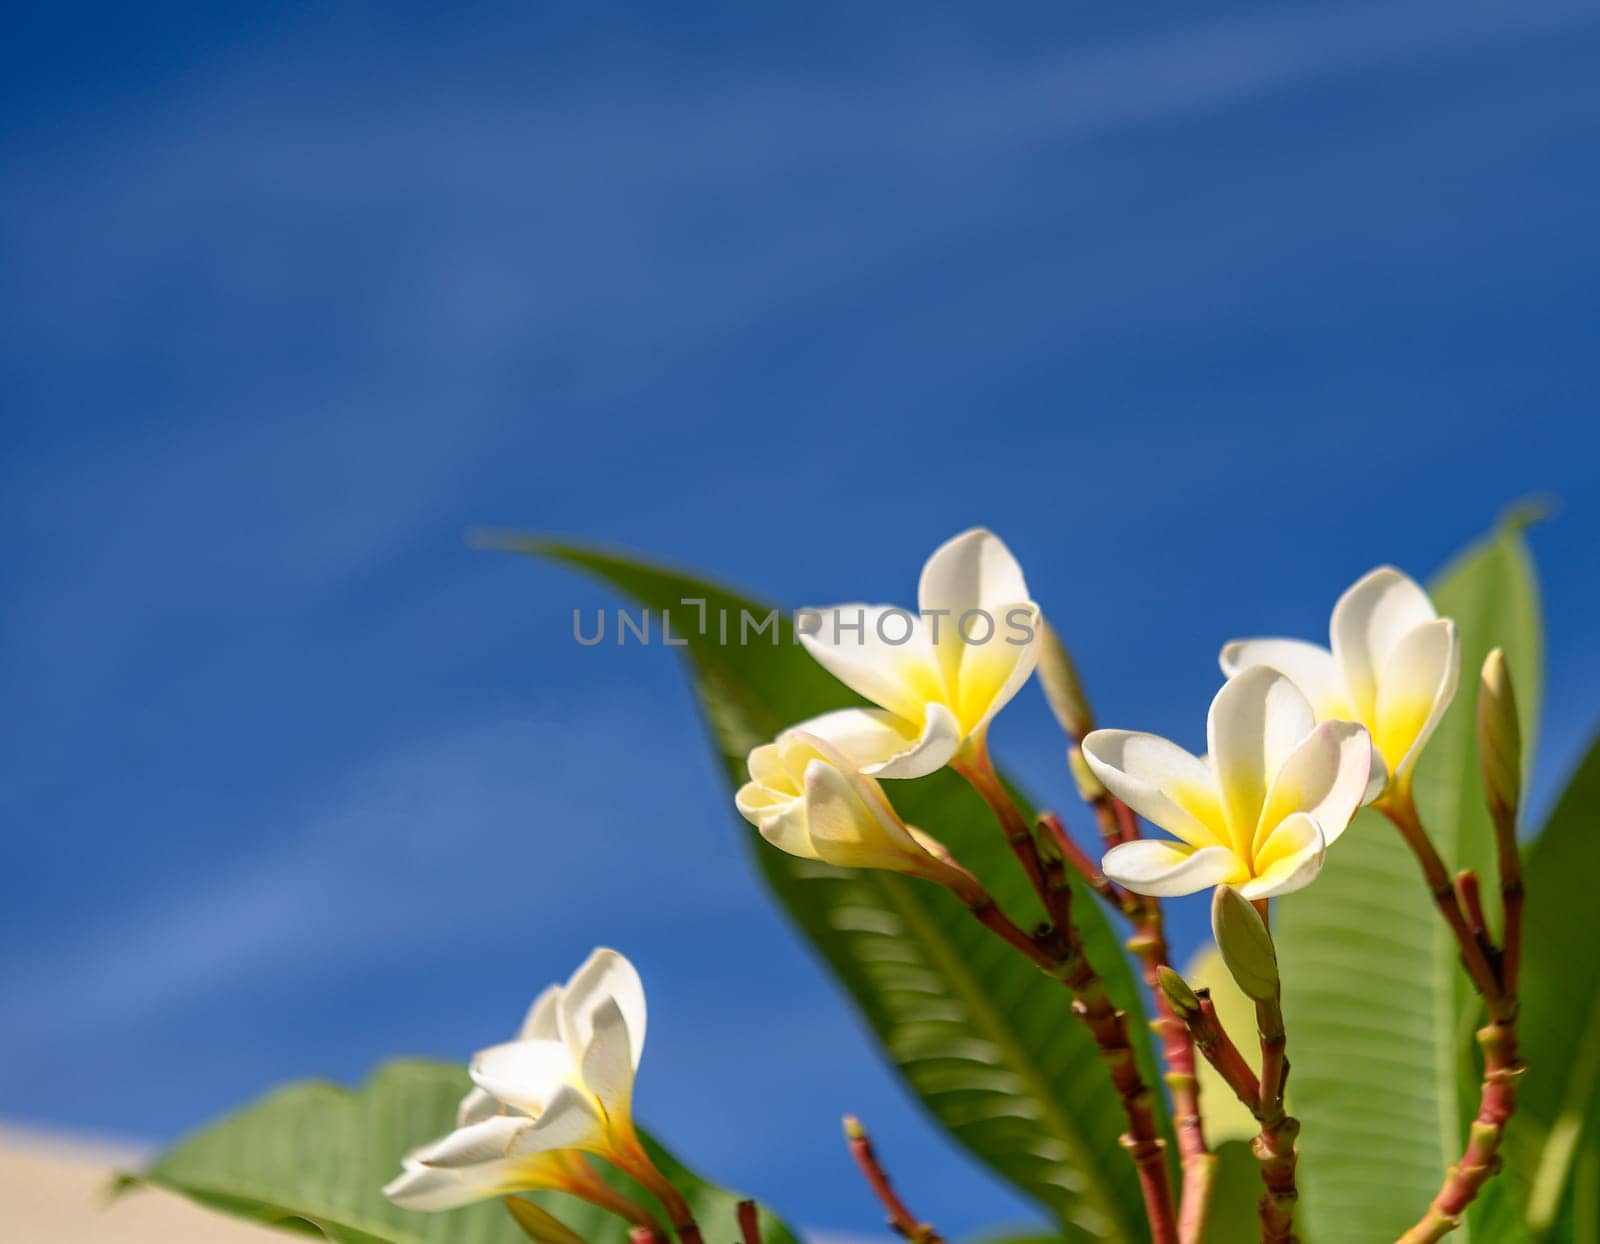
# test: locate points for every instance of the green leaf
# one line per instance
(1379, 1020)
(987, 1042)
(1232, 1218)
(312, 1158)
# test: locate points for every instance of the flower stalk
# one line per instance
(749, 1223)
(900, 1218)
(1499, 755)
(1118, 824)
(1057, 948)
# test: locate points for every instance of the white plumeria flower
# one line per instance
(1393, 667)
(565, 1084)
(938, 676)
(808, 798)
(1257, 813)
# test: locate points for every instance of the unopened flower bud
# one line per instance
(1090, 788)
(1184, 1000)
(1245, 944)
(1062, 686)
(1499, 740)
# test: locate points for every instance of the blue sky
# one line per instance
(1205, 313)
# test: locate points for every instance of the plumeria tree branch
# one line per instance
(1499, 753)
(1245, 940)
(899, 1216)
(1058, 949)
(749, 1223)
(1149, 945)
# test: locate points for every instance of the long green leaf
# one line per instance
(313, 1157)
(1378, 1023)
(989, 1044)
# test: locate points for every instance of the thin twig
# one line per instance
(1117, 825)
(901, 1220)
(1502, 1069)
(1401, 810)
(1058, 950)
(1497, 1103)
(749, 1223)
(1129, 904)
(980, 773)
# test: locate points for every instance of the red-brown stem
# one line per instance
(1401, 810)
(1496, 976)
(901, 1220)
(1077, 859)
(749, 1223)
(632, 1158)
(585, 1182)
(1149, 945)
(1509, 859)
(1274, 1146)
(1496, 1104)
(1219, 1050)
(644, 1235)
(1058, 950)
(1469, 892)
(979, 771)
(1117, 824)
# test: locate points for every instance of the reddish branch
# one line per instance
(1494, 972)
(749, 1223)
(1149, 945)
(1057, 948)
(900, 1218)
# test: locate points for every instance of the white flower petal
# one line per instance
(1416, 685)
(1290, 859)
(1169, 869)
(994, 666)
(1378, 780)
(572, 1120)
(540, 1022)
(430, 1188)
(1368, 621)
(975, 573)
(477, 1106)
(858, 645)
(974, 570)
(1160, 781)
(487, 1141)
(1326, 776)
(608, 1062)
(524, 1074)
(851, 823)
(1255, 721)
(1309, 666)
(604, 975)
(881, 744)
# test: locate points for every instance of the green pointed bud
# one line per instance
(1059, 677)
(1090, 788)
(1499, 739)
(1183, 999)
(1044, 842)
(1245, 944)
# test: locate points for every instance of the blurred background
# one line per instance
(1205, 313)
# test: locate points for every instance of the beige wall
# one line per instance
(53, 1191)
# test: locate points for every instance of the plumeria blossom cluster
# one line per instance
(1297, 740)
